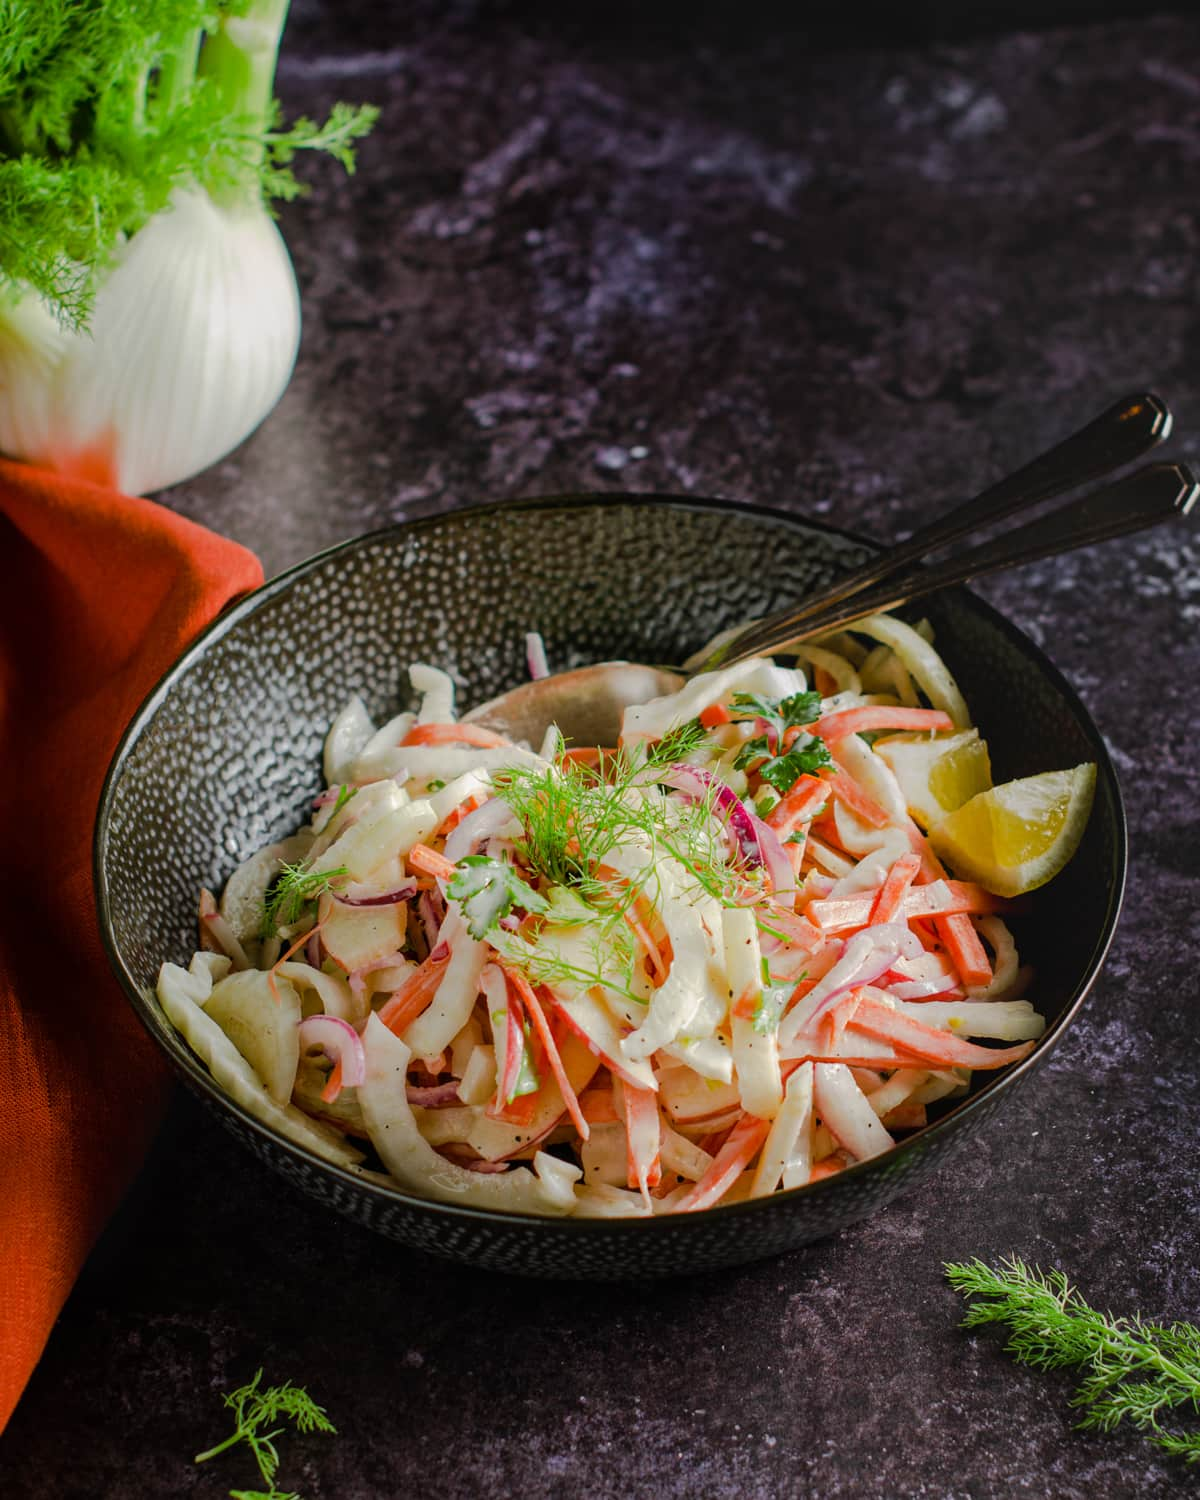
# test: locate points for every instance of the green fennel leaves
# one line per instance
(107, 107)
(254, 1409)
(1134, 1371)
(292, 890)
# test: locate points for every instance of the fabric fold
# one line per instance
(99, 594)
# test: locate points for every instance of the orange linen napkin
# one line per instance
(99, 593)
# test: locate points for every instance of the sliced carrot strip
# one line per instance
(591, 756)
(640, 931)
(846, 1055)
(837, 726)
(645, 924)
(455, 816)
(414, 996)
(597, 1107)
(830, 1167)
(966, 952)
(715, 715)
(514, 1044)
(429, 862)
(833, 1022)
(928, 1043)
(890, 897)
(283, 958)
(835, 914)
(774, 920)
(906, 1116)
(848, 792)
(333, 1084)
(455, 734)
(805, 797)
(643, 1134)
(738, 1151)
(537, 1015)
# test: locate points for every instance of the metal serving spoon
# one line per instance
(587, 703)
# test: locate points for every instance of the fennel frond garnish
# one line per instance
(1135, 1371)
(255, 1409)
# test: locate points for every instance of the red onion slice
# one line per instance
(403, 892)
(919, 989)
(463, 1156)
(774, 856)
(340, 1043)
(431, 908)
(696, 783)
(437, 1096)
(358, 982)
(868, 955)
(490, 819)
(535, 656)
(920, 977)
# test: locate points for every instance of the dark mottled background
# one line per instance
(851, 273)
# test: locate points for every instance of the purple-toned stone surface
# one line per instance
(853, 280)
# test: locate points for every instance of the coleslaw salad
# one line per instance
(718, 960)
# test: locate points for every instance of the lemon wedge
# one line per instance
(1016, 837)
(937, 775)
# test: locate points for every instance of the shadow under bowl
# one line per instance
(225, 756)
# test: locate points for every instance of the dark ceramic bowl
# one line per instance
(225, 755)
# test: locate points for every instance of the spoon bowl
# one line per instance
(586, 704)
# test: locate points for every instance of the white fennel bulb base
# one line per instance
(192, 342)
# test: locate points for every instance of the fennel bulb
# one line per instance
(192, 340)
(149, 315)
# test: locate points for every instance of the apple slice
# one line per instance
(689, 1099)
(356, 936)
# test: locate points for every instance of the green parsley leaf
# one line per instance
(780, 713)
(488, 889)
(807, 753)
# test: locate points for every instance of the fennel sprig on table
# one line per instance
(255, 1408)
(1136, 1371)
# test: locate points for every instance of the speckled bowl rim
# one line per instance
(665, 1224)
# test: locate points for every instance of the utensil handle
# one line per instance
(1155, 493)
(1124, 432)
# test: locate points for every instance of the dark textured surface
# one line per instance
(855, 281)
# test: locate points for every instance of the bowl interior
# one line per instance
(226, 753)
